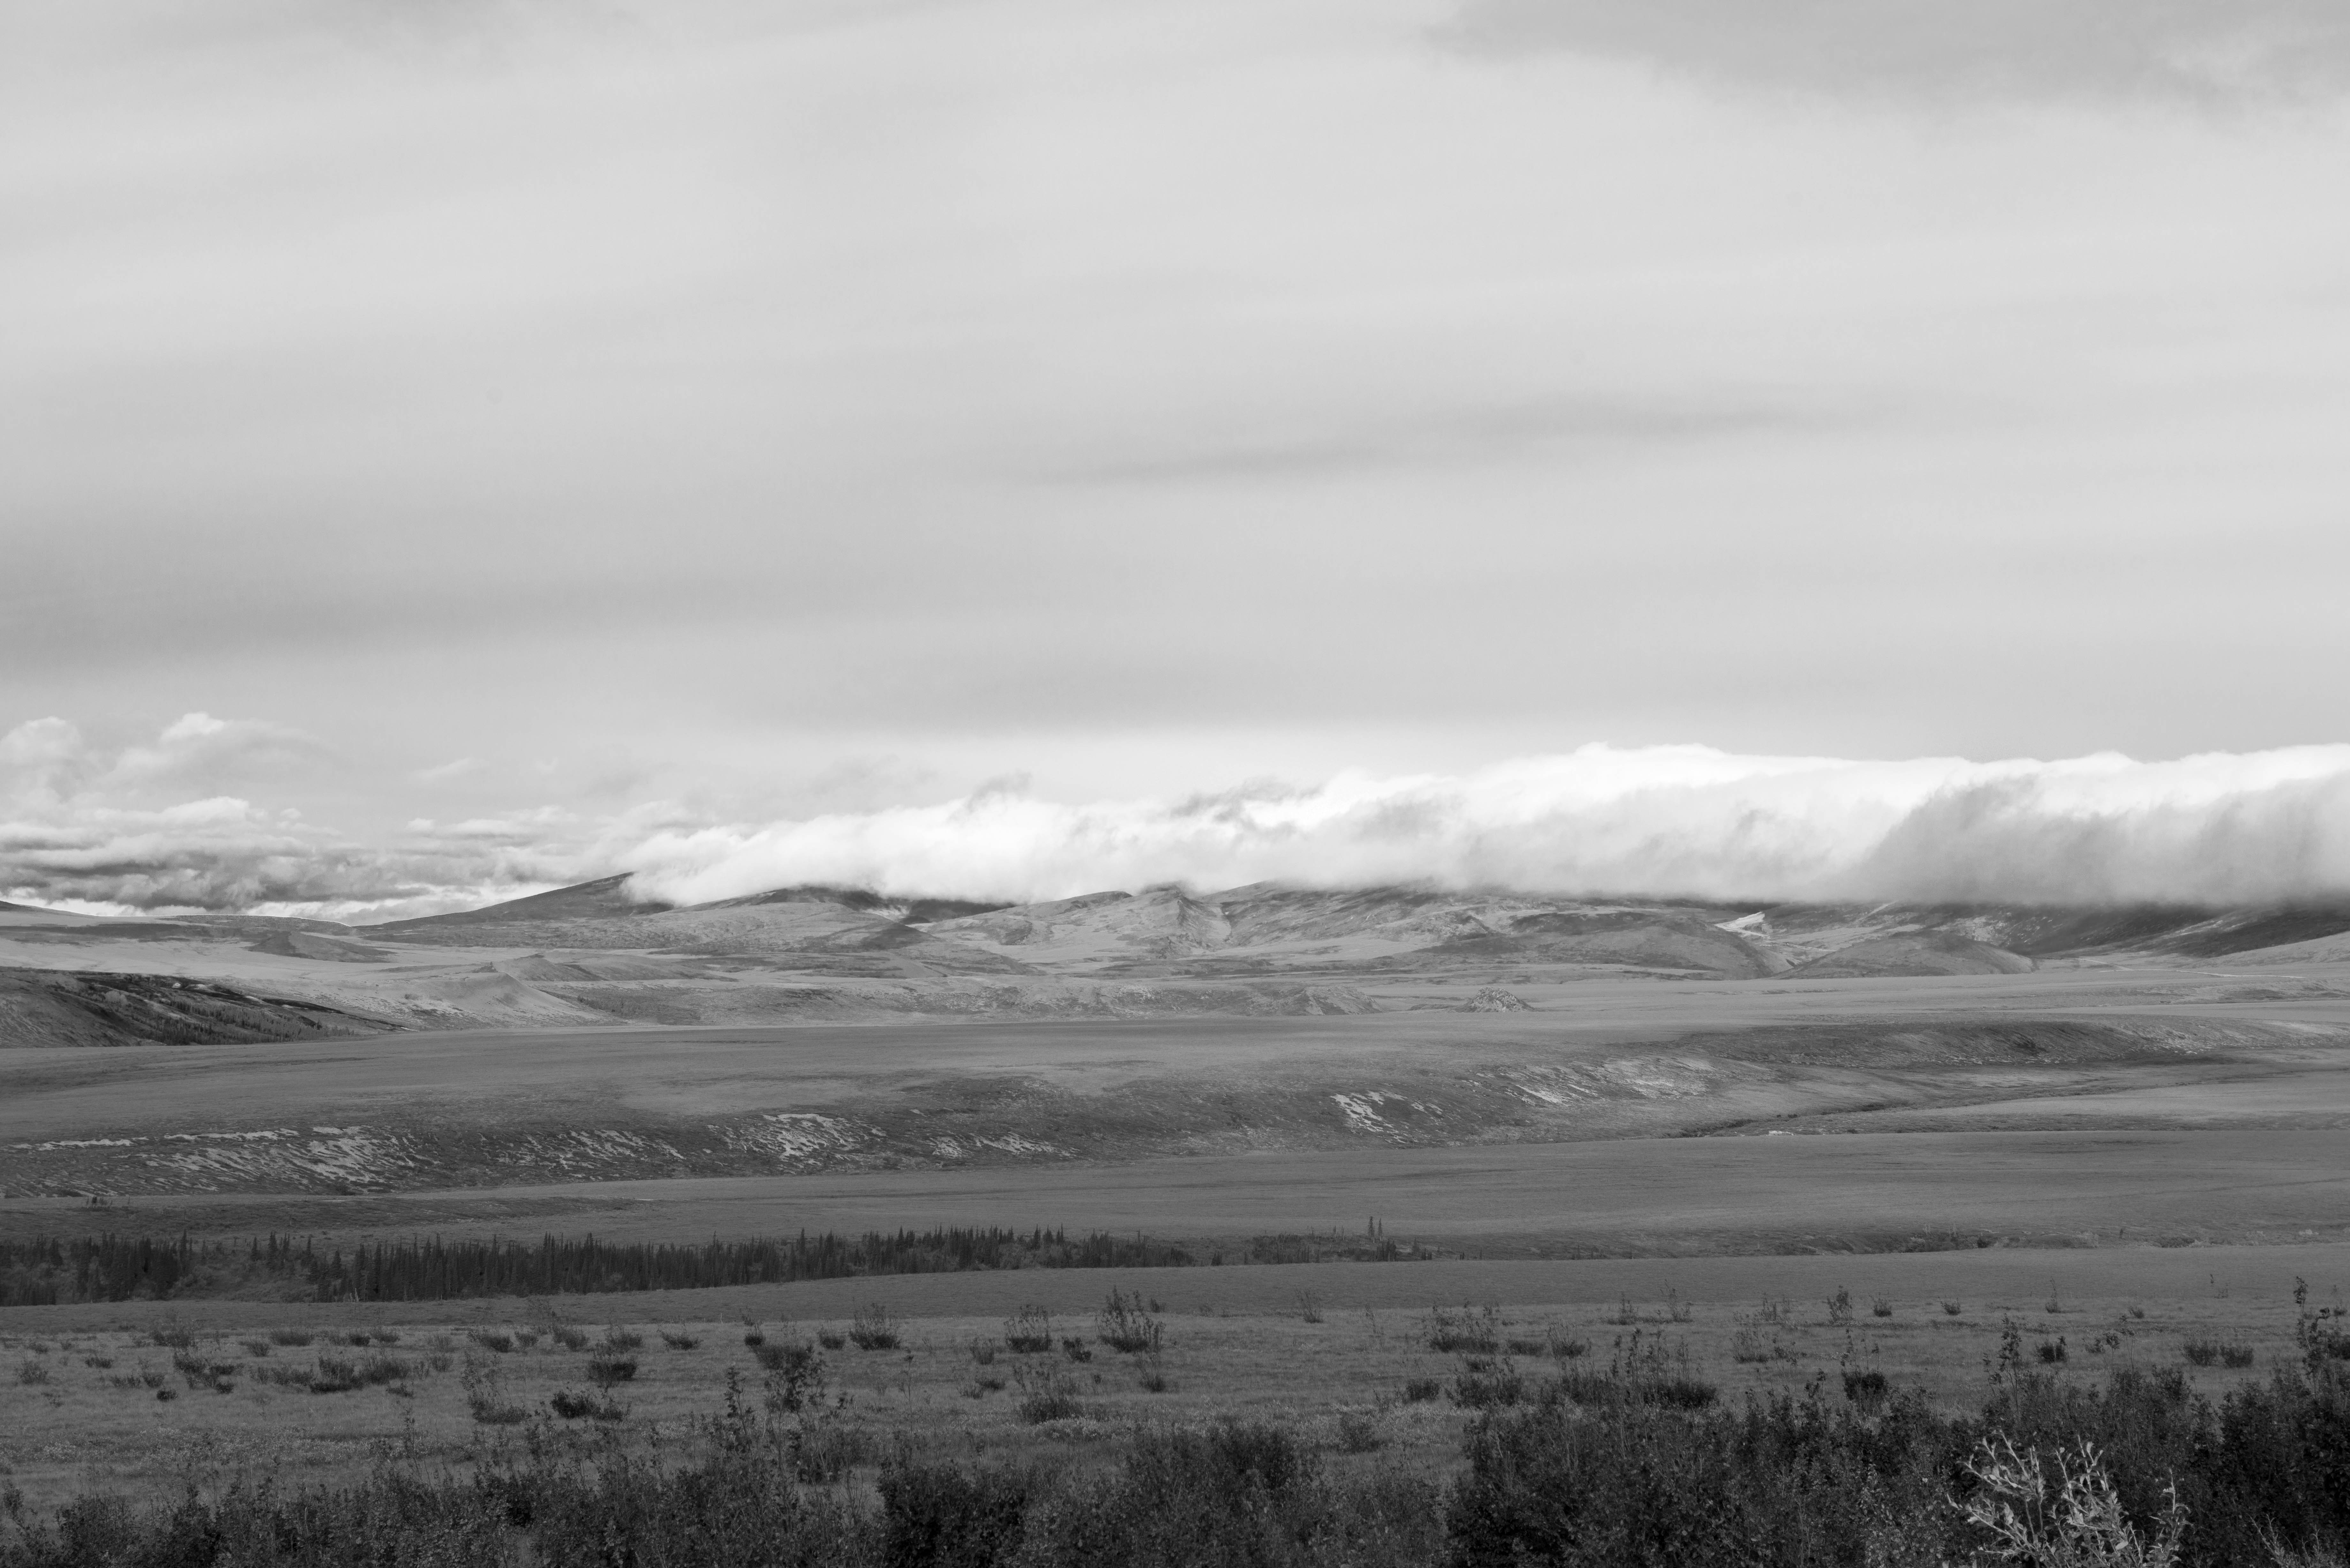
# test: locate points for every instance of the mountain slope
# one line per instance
(50, 1007)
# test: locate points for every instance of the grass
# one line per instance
(322, 1423)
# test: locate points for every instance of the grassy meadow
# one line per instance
(1378, 1366)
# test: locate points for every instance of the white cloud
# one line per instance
(1658, 821)
(2210, 50)
(138, 829)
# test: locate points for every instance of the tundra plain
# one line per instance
(1600, 1121)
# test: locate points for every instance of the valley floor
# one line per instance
(1341, 1352)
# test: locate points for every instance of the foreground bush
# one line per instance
(2136, 1473)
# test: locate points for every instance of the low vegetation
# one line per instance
(1588, 1468)
(1488, 1438)
(49, 1272)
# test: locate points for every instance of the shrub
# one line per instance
(952, 1517)
(527, 1338)
(1865, 1389)
(1485, 1390)
(568, 1335)
(983, 1351)
(1614, 1388)
(1527, 1346)
(572, 1406)
(1153, 1376)
(1028, 1332)
(254, 1346)
(678, 1341)
(1630, 1483)
(1880, 1307)
(1050, 1400)
(1950, 1309)
(831, 1338)
(1474, 1332)
(171, 1336)
(873, 1328)
(32, 1372)
(490, 1339)
(340, 1375)
(200, 1373)
(1360, 1432)
(2053, 1351)
(2077, 1520)
(1126, 1326)
(1077, 1349)
(100, 1362)
(795, 1375)
(1421, 1391)
(823, 1451)
(754, 1339)
(1840, 1306)
(617, 1339)
(605, 1370)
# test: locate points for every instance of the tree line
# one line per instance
(113, 1268)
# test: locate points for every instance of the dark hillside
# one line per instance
(52, 1007)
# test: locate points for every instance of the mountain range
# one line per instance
(594, 954)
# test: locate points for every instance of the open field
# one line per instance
(1626, 1198)
(78, 1385)
(521, 1111)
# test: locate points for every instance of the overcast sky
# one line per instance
(523, 439)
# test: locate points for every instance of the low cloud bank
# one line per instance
(151, 828)
(1661, 820)
(2246, 51)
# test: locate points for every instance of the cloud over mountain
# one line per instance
(154, 826)
(1659, 820)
